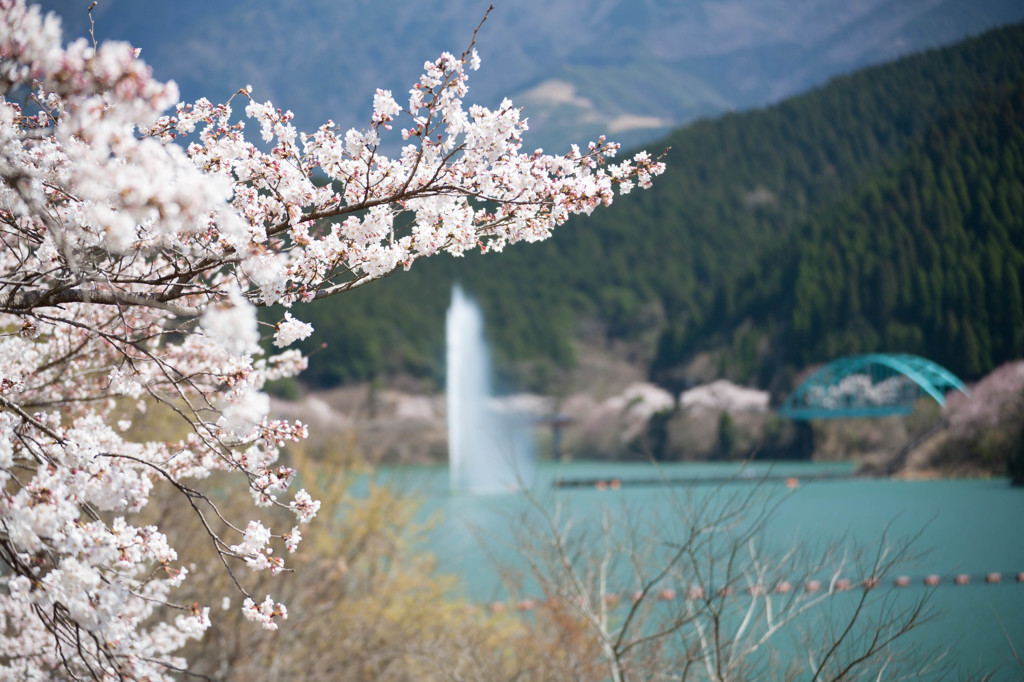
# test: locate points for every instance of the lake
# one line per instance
(971, 527)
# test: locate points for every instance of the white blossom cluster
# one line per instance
(131, 270)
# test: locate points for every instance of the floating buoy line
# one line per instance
(783, 587)
(789, 481)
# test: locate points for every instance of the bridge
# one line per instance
(874, 385)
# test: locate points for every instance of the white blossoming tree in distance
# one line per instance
(131, 268)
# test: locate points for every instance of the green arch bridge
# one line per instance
(874, 385)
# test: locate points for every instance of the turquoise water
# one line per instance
(972, 527)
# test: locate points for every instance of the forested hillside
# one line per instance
(879, 212)
(927, 258)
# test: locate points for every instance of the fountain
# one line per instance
(488, 451)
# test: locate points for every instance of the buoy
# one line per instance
(526, 605)
(812, 586)
(496, 607)
(792, 482)
(993, 578)
(615, 484)
(724, 591)
(842, 585)
(785, 587)
(601, 485)
(755, 591)
(870, 583)
(962, 579)
(695, 593)
(1020, 577)
(636, 596)
(666, 594)
(901, 581)
(932, 580)
(611, 599)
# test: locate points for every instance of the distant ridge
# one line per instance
(632, 60)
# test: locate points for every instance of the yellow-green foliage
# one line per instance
(365, 600)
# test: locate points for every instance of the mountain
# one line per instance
(878, 212)
(632, 68)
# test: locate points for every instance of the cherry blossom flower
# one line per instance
(290, 330)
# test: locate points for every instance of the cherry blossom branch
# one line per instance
(131, 268)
